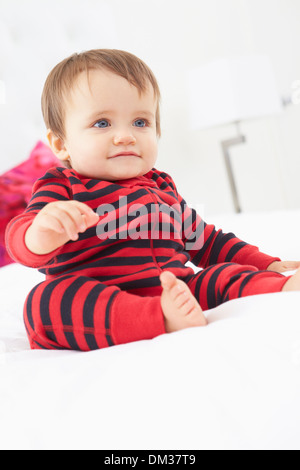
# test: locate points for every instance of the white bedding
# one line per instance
(232, 385)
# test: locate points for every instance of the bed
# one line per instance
(234, 384)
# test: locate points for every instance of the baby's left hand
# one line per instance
(283, 266)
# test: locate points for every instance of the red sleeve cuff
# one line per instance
(251, 255)
(16, 246)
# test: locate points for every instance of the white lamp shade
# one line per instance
(232, 89)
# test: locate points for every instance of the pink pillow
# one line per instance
(16, 186)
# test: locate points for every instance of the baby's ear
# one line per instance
(57, 146)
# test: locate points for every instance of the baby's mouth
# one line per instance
(125, 154)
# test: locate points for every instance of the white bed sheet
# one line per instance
(232, 385)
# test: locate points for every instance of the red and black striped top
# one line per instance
(145, 227)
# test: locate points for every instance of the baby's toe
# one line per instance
(168, 280)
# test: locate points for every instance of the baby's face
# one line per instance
(110, 129)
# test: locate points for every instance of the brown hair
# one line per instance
(62, 77)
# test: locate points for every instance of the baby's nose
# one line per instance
(124, 139)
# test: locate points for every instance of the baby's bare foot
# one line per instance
(293, 283)
(180, 308)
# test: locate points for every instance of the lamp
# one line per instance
(230, 90)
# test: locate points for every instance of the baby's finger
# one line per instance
(78, 217)
(293, 264)
(69, 225)
(91, 218)
(286, 266)
(84, 208)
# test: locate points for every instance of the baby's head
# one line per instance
(101, 109)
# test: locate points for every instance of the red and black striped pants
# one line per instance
(80, 313)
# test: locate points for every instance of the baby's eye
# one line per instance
(101, 123)
(140, 123)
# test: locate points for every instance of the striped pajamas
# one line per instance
(104, 289)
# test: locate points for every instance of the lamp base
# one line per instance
(226, 144)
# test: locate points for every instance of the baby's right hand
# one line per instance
(57, 223)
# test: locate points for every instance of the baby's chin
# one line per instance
(123, 176)
(117, 170)
(113, 176)
(122, 173)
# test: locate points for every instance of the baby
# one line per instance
(129, 282)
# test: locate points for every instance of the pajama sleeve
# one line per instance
(51, 187)
(208, 246)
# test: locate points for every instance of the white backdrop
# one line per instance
(171, 36)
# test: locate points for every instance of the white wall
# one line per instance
(172, 36)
